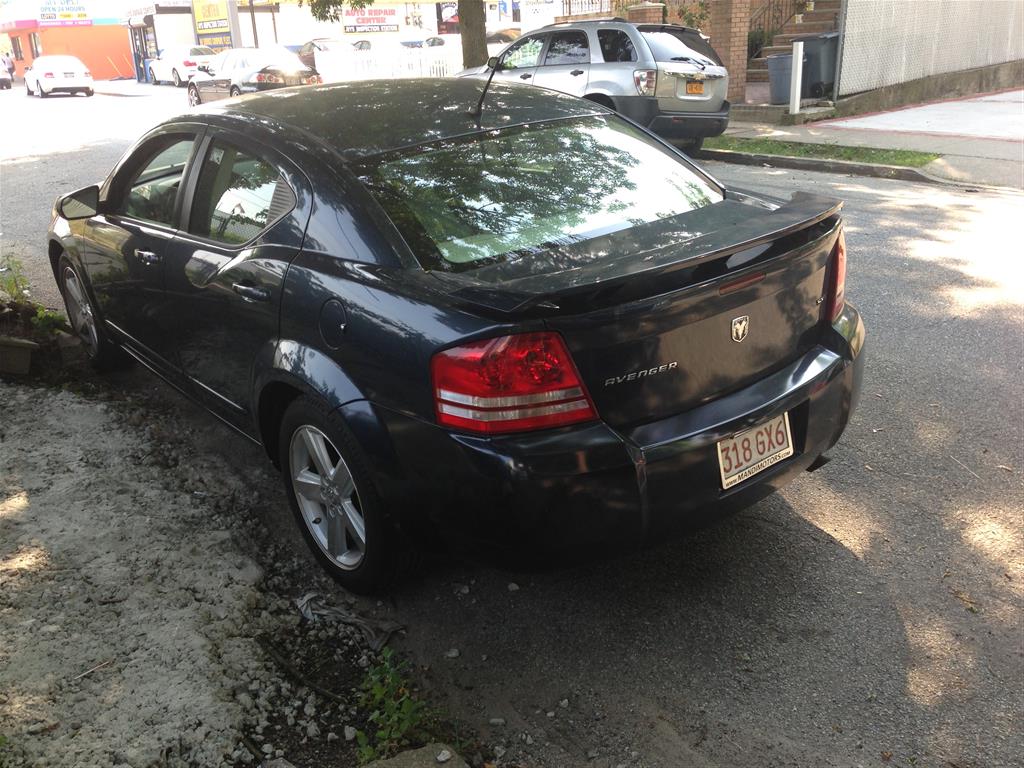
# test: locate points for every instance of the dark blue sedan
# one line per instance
(532, 325)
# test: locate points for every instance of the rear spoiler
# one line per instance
(762, 227)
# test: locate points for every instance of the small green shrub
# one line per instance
(12, 278)
(396, 716)
(47, 322)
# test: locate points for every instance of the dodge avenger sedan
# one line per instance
(522, 322)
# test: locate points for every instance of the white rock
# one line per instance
(350, 733)
(443, 756)
(564, 703)
(513, 587)
(497, 721)
(451, 653)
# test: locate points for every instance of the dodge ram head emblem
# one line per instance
(740, 326)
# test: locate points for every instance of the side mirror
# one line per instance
(81, 204)
(492, 63)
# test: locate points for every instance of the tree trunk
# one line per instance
(474, 33)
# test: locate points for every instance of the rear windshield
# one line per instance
(202, 50)
(509, 194)
(680, 45)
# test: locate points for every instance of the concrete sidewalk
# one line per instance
(981, 138)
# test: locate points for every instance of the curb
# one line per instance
(875, 170)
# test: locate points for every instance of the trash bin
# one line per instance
(820, 54)
(780, 72)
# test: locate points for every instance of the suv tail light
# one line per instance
(188, 63)
(836, 296)
(509, 384)
(646, 81)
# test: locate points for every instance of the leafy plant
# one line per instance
(12, 278)
(396, 716)
(47, 322)
(695, 14)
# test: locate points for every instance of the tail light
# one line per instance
(88, 73)
(836, 296)
(312, 80)
(646, 81)
(264, 77)
(509, 384)
(47, 74)
(188, 63)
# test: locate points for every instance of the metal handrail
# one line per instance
(767, 21)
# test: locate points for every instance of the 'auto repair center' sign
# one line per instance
(371, 20)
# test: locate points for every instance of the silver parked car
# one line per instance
(668, 78)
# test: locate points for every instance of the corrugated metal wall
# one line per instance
(894, 41)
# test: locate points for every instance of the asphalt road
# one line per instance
(869, 614)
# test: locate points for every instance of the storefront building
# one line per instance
(155, 26)
(88, 29)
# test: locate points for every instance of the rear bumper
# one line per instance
(592, 485)
(673, 125)
(69, 88)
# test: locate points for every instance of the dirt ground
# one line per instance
(136, 628)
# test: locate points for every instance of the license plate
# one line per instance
(694, 88)
(69, 74)
(753, 451)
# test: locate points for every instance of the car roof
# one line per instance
(358, 119)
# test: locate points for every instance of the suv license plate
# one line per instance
(755, 450)
(694, 88)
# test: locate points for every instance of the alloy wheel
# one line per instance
(176, 78)
(80, 313)
(193, 97)
(327, 497)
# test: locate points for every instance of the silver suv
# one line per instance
(667, 78)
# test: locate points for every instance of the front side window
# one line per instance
(238, 195)
(153, 192)
(569, 47)
(615, 45)
(514, 193)
(524, 54)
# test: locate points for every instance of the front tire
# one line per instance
(332, 496)
(85, 322)
(89, 92)
(234, 91)
(176, 78)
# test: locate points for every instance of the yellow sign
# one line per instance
(210, 17)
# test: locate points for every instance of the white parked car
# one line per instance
(58, 74)
(177, 64)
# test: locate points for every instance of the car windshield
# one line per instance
(202, 50)
(680, 45)
(509, 194)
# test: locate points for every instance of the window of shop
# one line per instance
(19, 55)
(33, 43)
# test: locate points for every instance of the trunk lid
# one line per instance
(694, 308)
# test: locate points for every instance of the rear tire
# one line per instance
(85, 321)
(152, 77)
(692, 147)
(331, 493)
(604, 101)
(89, 91)
(194, 99)
(28, 91)
(42, 94)
(234, 92)
(176, 78)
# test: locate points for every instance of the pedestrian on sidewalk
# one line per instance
(7, 63)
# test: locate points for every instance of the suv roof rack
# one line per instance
(582, 21)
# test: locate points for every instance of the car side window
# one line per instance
(238, 195)
(153, 190)
(568, 47)
(616, 45)
(524, 54)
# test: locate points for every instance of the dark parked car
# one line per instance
(239, 71)
(535, 326)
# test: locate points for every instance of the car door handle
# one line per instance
(147, 257)
(576, 72)
(251, 292)
(524, 77)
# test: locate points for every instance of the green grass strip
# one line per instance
(904, 157)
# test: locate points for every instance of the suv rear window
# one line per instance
(616, 45)
(679, 45)
(514, 193)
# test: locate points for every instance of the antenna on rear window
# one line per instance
(483, 94)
